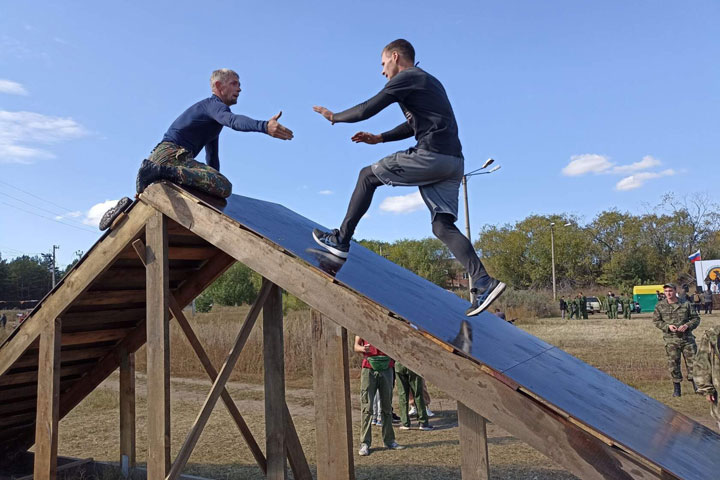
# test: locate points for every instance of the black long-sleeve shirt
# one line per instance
(426, 107)
(200, 125)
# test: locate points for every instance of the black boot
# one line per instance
(149, 173)
(676, 391)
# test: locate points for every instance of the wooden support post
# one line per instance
(333, 413)
(275, 408)
(473, 444)
(48, 401)
(202, 355)
(158, 348)
(295, 454)
(127, 412)
(219, 384)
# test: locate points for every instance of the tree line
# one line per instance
(615, 249)
(28, 277)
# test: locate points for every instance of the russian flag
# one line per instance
(695, 257)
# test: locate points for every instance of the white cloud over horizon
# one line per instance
(325, 192)
(601, 165)
(586, 163)
(21, 132)
(94, 215)
(638, 180)
(12, 88)
(403, 203)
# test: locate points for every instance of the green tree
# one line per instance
(237, 286)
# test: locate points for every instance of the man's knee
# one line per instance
(367, 178)
(443, 226)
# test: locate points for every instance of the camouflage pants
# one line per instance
(185, 171)
(675, 348)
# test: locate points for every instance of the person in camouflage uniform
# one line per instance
(706, 370)
(613, 302)
(627, 307)
(573, 307)
(677, 321)
(582, 299)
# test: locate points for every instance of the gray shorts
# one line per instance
(438, 177)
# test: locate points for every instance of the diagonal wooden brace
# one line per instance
(202, 355)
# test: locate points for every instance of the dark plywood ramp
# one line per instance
(587, 421)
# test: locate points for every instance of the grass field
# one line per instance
(631, 350)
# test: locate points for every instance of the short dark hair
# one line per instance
(403, 47)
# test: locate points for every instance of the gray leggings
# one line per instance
(443, 226)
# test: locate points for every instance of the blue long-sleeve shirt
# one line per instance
(199, 127)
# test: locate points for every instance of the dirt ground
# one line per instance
(631, 350)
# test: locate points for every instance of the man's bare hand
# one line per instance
(682, 328)
(324, 112)
(711, 398)
(673, 328)
(275, 129)
(366, 137)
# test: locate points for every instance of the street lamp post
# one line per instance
(487, 163)
(552, 254)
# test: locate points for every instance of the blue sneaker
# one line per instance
(485, 295)
(329, 241)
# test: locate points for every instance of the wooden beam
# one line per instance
(46, 423)
(202, 355)
(77, 281)
(275, 409)
(33, 375)
(474, 463)
(178, 253)
(579, 451)
(95, 336)
(333, 413)
(110, 297)
(219, 384)
(210, 271)
(127, 412)
(295, 454)
(158, 348)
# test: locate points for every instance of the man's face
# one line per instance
(389, 64)
(229, 90)
(670, 293)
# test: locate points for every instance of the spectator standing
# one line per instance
(376, 376)
(409, 381)
(708, 301)
(706, 370)
(677, 321)
(697, 301)
(563, 307)
(3, 320)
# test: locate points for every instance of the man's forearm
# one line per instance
(401, 132)
(364, 110)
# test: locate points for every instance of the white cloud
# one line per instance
(586, 163)
(646, 162)
(403, 203)
(75, 214)
(326, 192)
(96, 212)
(638, 180)
(13, 88)
(20, 131)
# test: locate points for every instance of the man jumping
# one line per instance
(196, 128)
(435, 164)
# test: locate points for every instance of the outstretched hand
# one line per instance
(275, 129)
(366, 137)
(324, 112)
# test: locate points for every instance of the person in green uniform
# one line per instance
(706, 370)
(583, 305)
(627, 307)
(677, 322)
(612, 299)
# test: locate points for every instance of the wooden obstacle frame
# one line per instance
(169, 227)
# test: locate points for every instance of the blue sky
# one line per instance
(586, 105)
